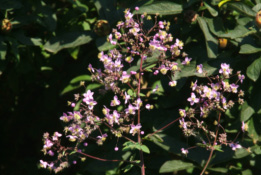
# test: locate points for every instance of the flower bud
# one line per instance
(102, 28)
(222, 43)
(6, 25)
(258, 19)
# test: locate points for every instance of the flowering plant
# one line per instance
(154, 51)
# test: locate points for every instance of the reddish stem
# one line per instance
(139, 138)
(212, 148)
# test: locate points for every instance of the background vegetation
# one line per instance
(46, 46)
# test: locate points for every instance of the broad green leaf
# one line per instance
(47, 17)
(175, 165)
(238, 32)
(253, 71)
(74, 51)
(254, 130)
(211, 42)
(246, 112)
(81, 78)
(161, 7)
(257, 7)
(242, 8)
(247, 172)
(240, 153)
(67, 40)
(211, 10)
(249, 49)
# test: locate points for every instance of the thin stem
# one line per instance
(212, 148)
(101, 159)
(164, 126)
(139, 138)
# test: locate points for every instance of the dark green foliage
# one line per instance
(46, 53)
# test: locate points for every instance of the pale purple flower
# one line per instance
(90, 68)
(111, 40)
(115, 101)
(161, 24)
(156, 72)
(133, 72)
(56, 135)
(172, 83)
(127, 97)
(182, 112)
(51, 153)
(102, 137)
(141, 132)
(194, 85)
(235, 146)
(241, 78)
(148, 106)
(155, 44)
(137, 8)
(48, 144)
(73, 105)
(43, 164)
(179, 43)
(155, 89)
(225, 69)
(85, 144)
(184, 151)
(88, 96)
(130, 110)
(234, 88)
(183, 123)
(125, 77)
(163, 69)
(72, 138)
(116, 148)
(186, 61)
(199, 69)
(193, 99)
(138, 103)
(135, 129)
(74, 162)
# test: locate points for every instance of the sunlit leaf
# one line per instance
(175, 165)
(253, 71)
(161, 7)
(211, 10)
(67, 40)
(246, 112)
(249, 49)
(211, 42)
(242, 8)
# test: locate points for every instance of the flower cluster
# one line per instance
(121, 116)
(218, 95)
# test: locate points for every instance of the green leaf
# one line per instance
(240, 153)
(93, 86)
(3, 48)
(247, 172)
(162, 8)
(211, 42)
(81, 78)
(249, 49)
(175, 165)
(44, 68)
(219, 169)
(242, 8)
(103, 44)
(211, 10)
(20, 36)
(67, 40)
(246, 112)
(253, 71)
(254, 130)
(69, 88)
(145, 149)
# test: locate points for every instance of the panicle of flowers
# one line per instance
(219, 95)
(133, 45)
